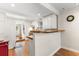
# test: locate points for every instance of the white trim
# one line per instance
(54, 52)
(73, 50)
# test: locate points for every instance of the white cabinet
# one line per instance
(50, 22)
(47, 43)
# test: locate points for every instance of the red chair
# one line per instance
(4, 48)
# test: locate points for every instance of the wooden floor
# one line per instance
(61, 52)
(12, 52)
(65, 52)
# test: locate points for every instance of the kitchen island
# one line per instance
(46, 42)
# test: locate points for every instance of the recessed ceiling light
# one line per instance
(12, 5)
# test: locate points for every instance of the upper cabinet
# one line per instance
(49, 22)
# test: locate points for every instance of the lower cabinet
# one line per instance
(45, 44)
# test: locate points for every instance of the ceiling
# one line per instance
(33, 10)
(27, 9)
(64, 6)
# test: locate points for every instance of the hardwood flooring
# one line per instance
(11, 52)
(25, 50)
(65, 52)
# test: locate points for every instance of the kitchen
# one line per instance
(38, 29)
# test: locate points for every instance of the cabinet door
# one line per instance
(47, 44)
(53, 21)
(45, 23)
(50, 22)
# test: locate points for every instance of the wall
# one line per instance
(8, 28)
(11, 32)
(70, 38)
(12, 24)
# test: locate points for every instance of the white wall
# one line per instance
(13, 25)
(70, 38)
(47, 43)
(8, 28)
(11, 32)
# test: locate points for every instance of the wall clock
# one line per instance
(70, 18)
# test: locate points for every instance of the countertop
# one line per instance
(39, 31)
(47, 31)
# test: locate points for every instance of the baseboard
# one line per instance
(70, 49)
(54, 52)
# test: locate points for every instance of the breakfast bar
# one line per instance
(45, 42)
